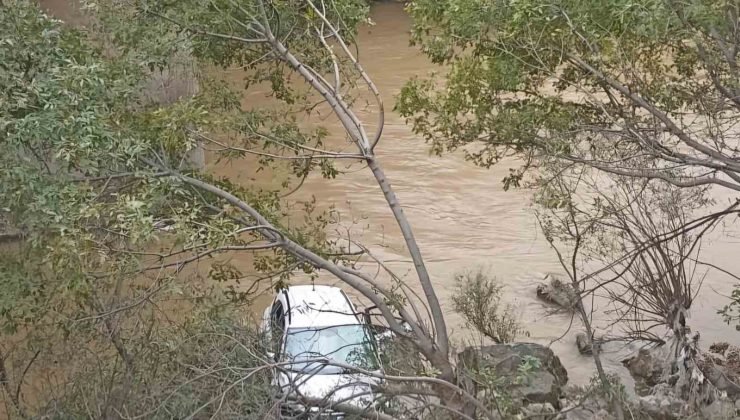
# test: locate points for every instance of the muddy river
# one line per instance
(461, 216)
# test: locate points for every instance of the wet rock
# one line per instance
(584, 347)
(543, 384)
(557, 292)
(644, 367)
(544, 411)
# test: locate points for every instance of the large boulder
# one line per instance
(557, 292)
(646, 367)
(543, 382)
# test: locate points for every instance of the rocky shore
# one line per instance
(671, 383)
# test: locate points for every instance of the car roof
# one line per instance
(319, 306)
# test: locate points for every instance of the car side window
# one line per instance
(277, 317)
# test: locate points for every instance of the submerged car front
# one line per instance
(327, 369)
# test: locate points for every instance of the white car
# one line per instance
(308, 325)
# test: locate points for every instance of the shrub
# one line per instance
(478, 300)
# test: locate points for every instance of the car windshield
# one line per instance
(347, 344)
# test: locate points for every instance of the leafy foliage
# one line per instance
(499, 391)
(87, 153)
(731, 312)
(640, 90)
(224, 33)
(629, 87)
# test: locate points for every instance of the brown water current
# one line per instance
(461, 216)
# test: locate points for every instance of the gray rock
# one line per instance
(721, 409)
(541, 385)
(644, 367)
(664, 407)
(723, 380)
(584, 347)
(721, 366)
(557, 292)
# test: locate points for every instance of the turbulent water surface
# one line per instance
(461, 216)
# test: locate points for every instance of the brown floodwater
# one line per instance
(461, 216)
